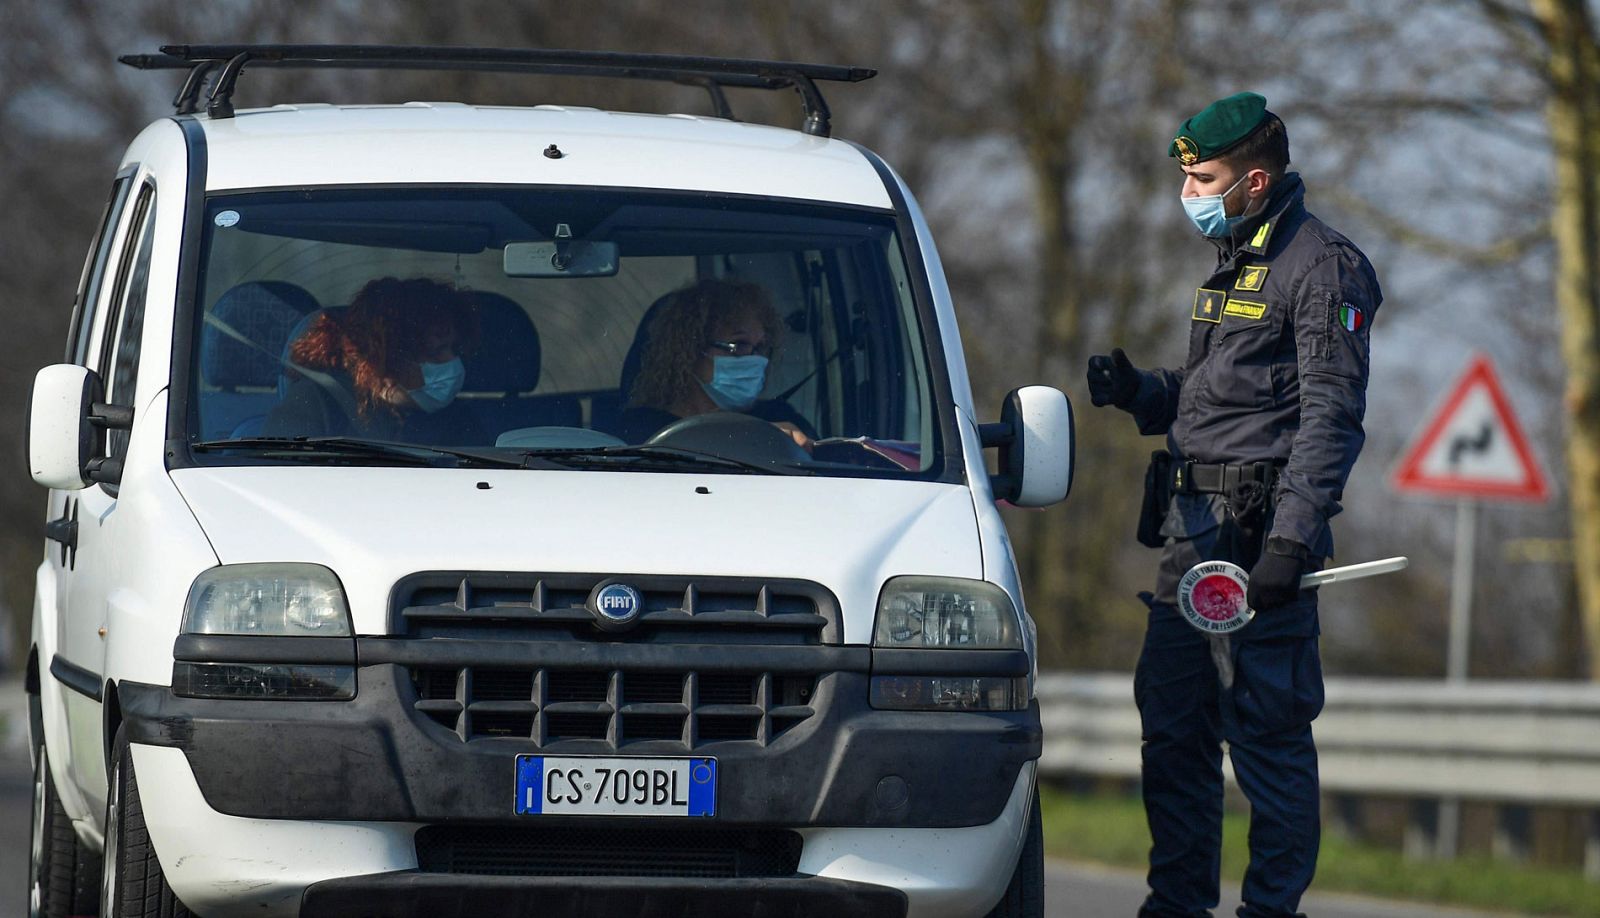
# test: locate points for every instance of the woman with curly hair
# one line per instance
(708, 349)
(393, 354)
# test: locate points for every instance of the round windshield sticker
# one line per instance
(1211, 597)
(227, 218)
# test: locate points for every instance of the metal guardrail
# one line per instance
(1501, 742)
(1511, 744)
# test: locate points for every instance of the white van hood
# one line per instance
(374, 525)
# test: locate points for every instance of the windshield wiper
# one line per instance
(352, 446)
(640, 457)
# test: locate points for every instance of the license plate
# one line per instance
(549, 785)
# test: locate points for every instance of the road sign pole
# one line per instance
(1461, 592)
(1447, 832)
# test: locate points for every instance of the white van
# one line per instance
(466, 510)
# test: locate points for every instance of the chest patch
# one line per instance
(1245, 309)
(1251, 278)
(1208, 305)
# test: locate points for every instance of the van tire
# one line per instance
(62, 872)
(132, 884)
(1024, 897)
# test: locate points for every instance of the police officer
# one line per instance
(1263, 424)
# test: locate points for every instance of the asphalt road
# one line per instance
(1089, 891)
(1075, 890)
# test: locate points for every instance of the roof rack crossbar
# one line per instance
(711, 73)
(168, 62)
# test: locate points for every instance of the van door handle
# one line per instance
(65, 531)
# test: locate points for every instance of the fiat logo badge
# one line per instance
(615, 606)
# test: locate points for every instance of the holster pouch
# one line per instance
(1245, 530)
(1157, 498)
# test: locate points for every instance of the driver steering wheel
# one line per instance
(732, 435)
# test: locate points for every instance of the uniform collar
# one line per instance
(1255, 235)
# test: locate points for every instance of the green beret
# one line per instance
(1220, 126)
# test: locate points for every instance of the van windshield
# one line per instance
(594, 329)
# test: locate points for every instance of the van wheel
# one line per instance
(61, 871)
(1024, 898)
(132, 884)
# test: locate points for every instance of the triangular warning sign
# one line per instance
(1473, 446)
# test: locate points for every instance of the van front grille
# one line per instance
(554, 607)
(618, 707)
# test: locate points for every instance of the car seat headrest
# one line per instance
(508, 355)
(263, 312)
(634, 362)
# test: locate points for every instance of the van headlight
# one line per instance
(289, 600)
(925, 624)
(942, 612)
(253, 607)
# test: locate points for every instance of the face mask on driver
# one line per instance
(440, 383)
(1210, 215)
(736, 382)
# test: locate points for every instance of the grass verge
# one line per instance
(1111, 830)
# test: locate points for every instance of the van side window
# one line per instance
(119, 364)
(94, 266)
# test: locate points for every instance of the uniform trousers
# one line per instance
(1265, 719)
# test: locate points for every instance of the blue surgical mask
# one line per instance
(1210, 215)
(440, 383)
(736, 382)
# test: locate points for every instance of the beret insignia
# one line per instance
(1188, 153)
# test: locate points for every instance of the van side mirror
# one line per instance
(67, 421)
(1035, 440)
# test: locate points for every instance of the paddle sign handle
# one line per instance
(1354, 572)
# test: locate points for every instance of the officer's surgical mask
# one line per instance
(736, 382)
(440, 383)
(1210, 215)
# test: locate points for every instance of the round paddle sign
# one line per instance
(1211, 597)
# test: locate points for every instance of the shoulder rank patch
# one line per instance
(1208, 305)
(1251, 278)
(1245, 309)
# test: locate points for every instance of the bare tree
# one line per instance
(1567, 28)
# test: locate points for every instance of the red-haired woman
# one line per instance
(368, 370)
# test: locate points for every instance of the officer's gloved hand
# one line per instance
(1113, 380)
(1275, 580)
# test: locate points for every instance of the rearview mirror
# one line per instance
(60, 439)
(561, 258)
(67, 422)
(1035, 439)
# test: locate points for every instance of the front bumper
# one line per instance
(374, 758)
(221, 865)
(251, 803)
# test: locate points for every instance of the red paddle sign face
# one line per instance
(1211, 597)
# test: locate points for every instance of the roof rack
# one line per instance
(710, 73)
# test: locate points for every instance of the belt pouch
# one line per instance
(1157, 497)
(1249, 505)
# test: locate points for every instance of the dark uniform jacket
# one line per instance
(1277, 366)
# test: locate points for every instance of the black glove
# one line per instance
(1275, 580)
(1112, 380)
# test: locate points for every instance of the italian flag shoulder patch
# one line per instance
(1351, 317)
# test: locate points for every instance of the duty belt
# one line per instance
(1190, 477)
